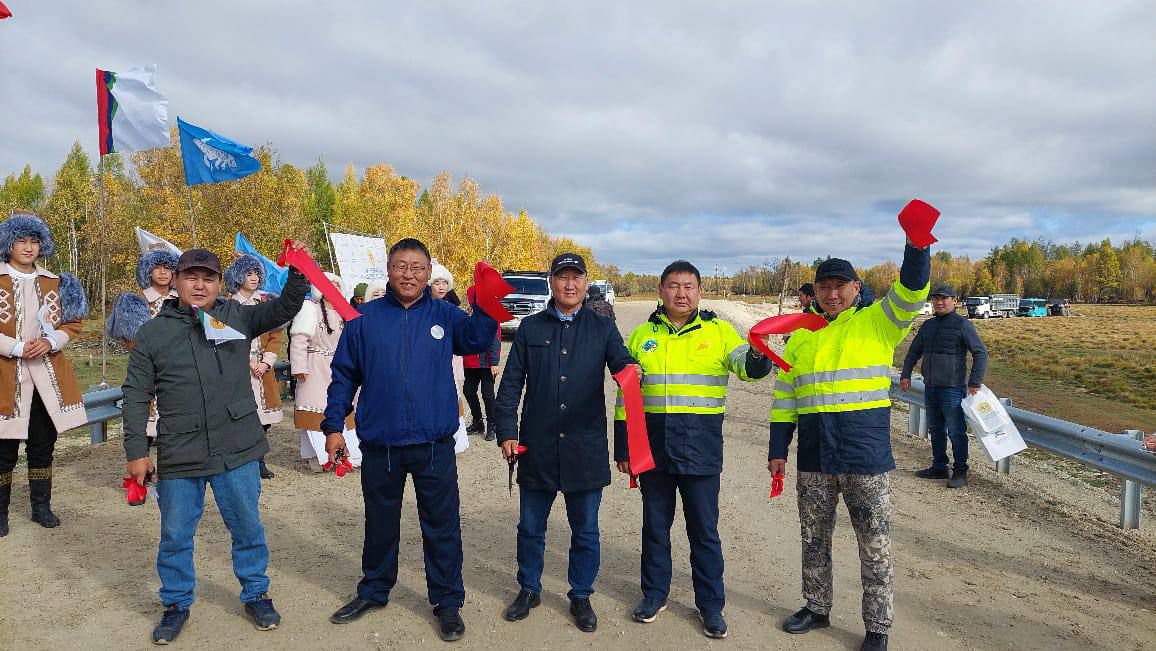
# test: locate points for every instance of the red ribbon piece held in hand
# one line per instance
(917, 219)
(783, 325)
(489, 289)
(638, 441)
(301, 261)
(137, 493)
(340, 466)
(776, 485)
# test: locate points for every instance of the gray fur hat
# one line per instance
(241, 267)
(152, 260)
(25, 225)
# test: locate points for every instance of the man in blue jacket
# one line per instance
(560, 357)
(399, 353)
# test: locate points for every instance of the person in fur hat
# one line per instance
(244, 279)
(40, 312)
(313, 338)
(375, 290)
(441, 287)
(155, 271)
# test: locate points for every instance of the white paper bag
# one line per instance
(461, 437)
(991, 425)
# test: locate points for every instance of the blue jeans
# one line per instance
(182, 501)
(585, 549)
(945, 420)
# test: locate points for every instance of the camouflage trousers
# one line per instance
(868, 500)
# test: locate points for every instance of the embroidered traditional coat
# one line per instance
(266, 391)
(51, 375)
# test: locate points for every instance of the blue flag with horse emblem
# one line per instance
(212, 158)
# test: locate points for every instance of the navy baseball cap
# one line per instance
(835, 268)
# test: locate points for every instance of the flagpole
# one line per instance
(192, 218)
(103, 279)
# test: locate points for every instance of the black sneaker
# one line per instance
(874, 642)
(805, 620)
(450, 625)
(713, 624)
(647, 610)
(933, 473)
(261, 611)
(584, 617)
(958, 479)
(474, 427)
(172, 621)
(520, 608)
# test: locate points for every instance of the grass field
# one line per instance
(1097, 368)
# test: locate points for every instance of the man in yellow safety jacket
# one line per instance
(687, 356)
(836, 393)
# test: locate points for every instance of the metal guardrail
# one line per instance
(1122, 455)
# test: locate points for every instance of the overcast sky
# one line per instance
(725, 133)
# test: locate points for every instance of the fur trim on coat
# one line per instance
(129, 313)
(305, 323)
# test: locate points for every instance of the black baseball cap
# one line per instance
(202, 258)
(567, 260)
(835, 268)
(943, 290)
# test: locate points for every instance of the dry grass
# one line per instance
(1097, 368)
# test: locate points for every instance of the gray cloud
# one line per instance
(724, 133)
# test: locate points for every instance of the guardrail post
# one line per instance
(1130, 494)
(99, 433)
(1003, 466)
(914, 415)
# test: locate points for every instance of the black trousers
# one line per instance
(434, 470)
(484, 378)
(40, 444)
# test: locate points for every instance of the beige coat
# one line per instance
(311, 349)
(50, 375)
(155, 300)
(266, 391)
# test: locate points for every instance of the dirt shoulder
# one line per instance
(1030, 560)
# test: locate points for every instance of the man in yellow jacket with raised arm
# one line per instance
(836, 394)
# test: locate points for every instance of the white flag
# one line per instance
(149, 242)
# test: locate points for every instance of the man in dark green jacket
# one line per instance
(193, 359)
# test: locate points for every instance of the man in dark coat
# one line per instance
(193, 359)
(560, 356)
(943, 342)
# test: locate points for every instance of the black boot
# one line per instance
(475, 427)
(958, 479)
(40, 495)
(265, 472)
(5, 499)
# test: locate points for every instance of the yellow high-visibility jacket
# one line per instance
(684, 389)
(837, 389)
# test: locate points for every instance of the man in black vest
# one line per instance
(943, 342)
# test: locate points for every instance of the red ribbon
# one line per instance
(489, 290)
(776, 485)
(302, 262)
(340, 466)
(782, 325)
(137, 493)
(638, 442)
(917, 219)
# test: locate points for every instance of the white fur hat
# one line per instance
(333, 278)
(373, 287)
(439, 272)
